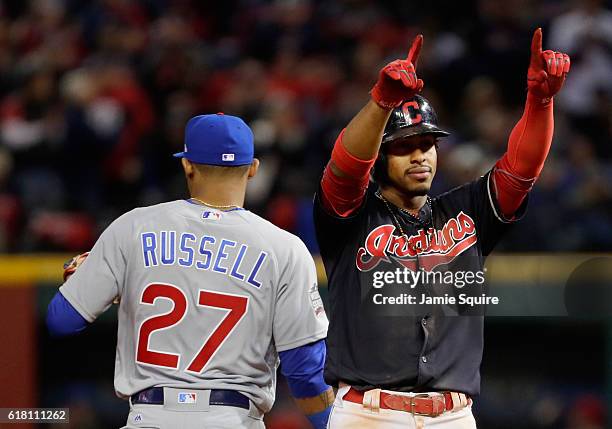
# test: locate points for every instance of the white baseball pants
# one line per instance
(349, 415)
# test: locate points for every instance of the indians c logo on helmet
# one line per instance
(433, 247)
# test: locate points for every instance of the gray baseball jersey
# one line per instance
(208, 298)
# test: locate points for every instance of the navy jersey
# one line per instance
(380, 256)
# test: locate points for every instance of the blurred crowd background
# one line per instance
(94, 96)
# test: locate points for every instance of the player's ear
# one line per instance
(253, 168)
(188, 167)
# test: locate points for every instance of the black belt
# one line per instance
(229, 398)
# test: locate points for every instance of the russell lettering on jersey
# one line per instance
(207, 252)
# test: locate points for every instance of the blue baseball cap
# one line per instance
(218, 140)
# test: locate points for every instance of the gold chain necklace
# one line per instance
(396, 221)
(228, 206)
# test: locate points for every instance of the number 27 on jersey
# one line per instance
(235, 307)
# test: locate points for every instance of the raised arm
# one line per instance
(529, 143)
(345, 178)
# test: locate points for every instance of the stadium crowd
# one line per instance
(94, 97)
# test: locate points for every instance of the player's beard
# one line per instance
(417, 191)
(411, 187)
(413, 190)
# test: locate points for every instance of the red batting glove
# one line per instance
(547, 70)
(397, 81)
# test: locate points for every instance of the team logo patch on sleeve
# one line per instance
(316, 301)
(187, 398)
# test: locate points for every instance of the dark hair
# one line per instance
(380, 174)
(221, 170)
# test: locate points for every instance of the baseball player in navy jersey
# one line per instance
(400, 362)
(210, 295)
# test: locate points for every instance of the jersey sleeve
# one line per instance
(491, 224)
(99, 279)
(299, 316)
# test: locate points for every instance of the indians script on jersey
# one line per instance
(433, 247)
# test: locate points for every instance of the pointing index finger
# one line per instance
(536, 42)
(415, 49)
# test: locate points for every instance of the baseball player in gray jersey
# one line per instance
(210, 295)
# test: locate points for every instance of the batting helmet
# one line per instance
(413, 117)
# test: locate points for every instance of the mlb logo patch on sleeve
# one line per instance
(187, 398)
